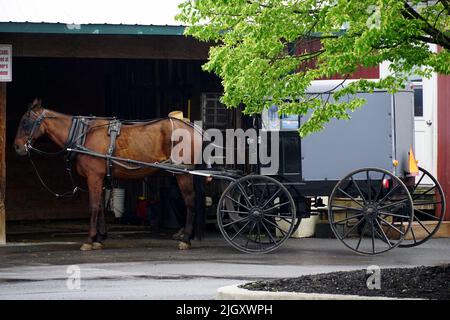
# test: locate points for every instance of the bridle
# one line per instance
(29, 147)
(36, 125)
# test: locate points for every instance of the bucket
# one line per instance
(306, 229)
(118, 202)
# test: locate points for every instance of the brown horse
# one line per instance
(147, 142)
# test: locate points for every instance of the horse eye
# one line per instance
(27, 124)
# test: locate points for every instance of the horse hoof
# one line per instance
(184, 246)
(86, 247)
(179, 235)
(97, 246)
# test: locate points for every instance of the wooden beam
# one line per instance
(106, 46)
(2, 162)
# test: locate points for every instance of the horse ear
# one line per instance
(37, 103)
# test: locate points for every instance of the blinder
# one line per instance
(35, 125)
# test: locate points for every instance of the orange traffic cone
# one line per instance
(413, 169)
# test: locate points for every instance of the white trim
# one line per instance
(430, 93)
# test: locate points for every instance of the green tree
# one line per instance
(254, 51)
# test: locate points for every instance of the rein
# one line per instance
(58, 195)
(29, 147)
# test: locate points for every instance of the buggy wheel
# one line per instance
(256, 214)
(429, 209)
(370, 211)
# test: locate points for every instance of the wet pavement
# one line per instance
(140, 264)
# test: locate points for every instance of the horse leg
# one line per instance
(95, 184)
(101, 223)
(176, 203)
(186, 184)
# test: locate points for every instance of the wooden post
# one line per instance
(2, 162)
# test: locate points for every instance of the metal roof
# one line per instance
(90, 16)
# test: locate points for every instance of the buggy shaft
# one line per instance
(160, 166)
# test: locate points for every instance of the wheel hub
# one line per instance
(256, 214)
(371, 211)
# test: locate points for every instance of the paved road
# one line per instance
(143, 268)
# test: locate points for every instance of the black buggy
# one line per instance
(361, 174)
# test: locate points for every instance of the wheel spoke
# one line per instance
(349, 218)
(250, 234)
(359, 190)
(421, 224)
(418, 183)
(240, 230)
(279, 215)
(349, 196)
(346, 208)
(268, 233)
(271, 198)
(384, 234)
(381, 187)
(254, 194)
(361, 235)
(393, 215)
(235, 221)
(353, 228)
(277, 206)
(276, 226)
(369, 185)
(259, 235)
(246, 197)
(427, 214)
(396, 203)
(424, 193)
(392, 226)
(237, 202)
(265, 191)
(233, 211)
(373, 236)
(426, 203)
(388, 194)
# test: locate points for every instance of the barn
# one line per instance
(136, 65)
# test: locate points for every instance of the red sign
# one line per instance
(5, 63)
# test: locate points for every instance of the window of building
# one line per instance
(418, 101)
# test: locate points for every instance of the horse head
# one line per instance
(29, 127)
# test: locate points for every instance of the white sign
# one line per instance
(5, 63)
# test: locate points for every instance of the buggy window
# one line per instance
(272, 121)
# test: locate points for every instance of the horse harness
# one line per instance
(77, 138)
(75, 141)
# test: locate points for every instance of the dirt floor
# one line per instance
(419, 282)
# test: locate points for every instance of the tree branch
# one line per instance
(438, 36)
(446, 4)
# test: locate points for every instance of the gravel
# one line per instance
(418, 282)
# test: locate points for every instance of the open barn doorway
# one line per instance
(123, 88)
